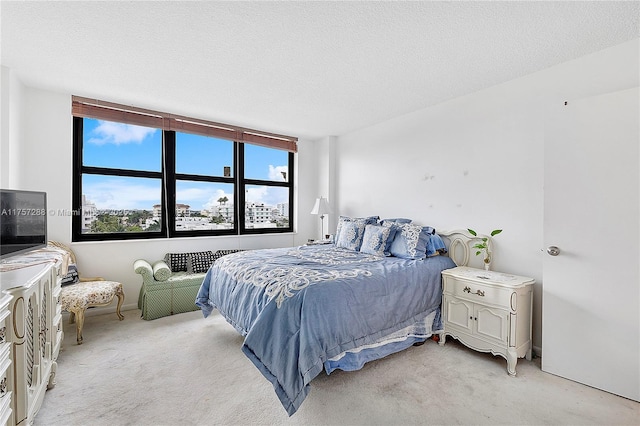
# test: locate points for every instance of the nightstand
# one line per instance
(318, 242)
(489, 312)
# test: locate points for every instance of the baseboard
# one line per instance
(537, 351)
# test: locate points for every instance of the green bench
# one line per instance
(170, 286)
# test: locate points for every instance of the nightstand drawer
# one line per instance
(477, 292)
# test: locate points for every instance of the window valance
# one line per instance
(103, 110)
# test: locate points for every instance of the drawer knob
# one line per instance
(477, 292)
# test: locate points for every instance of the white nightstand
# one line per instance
(489, 312)
(318, 242)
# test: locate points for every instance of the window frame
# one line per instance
(172, 179)
(169, 178)
(79, 169)
(244, 182)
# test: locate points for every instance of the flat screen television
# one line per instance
(23, 221)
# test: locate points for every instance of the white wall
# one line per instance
(5, 85)
(11, 107)
(475, 161)
(325, 184)
(39, 157)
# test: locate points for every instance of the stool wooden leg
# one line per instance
(79, 325)
(120, 300)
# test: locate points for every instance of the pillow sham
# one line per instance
(396, 220)
(199, 262)
(393, 229)
(351, 235)
(410, 242)
(435, 245)
(370, 220)
(375, 239)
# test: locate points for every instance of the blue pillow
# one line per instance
(410, 242)
(351, 235)
(395, 220)
(435, 245)
(364, 220)
(375, 239)
(393, 229)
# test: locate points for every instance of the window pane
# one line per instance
(120, 204)
(121, 146)
(203, 155)
(203, 205)
(266, 207)
(265, 163)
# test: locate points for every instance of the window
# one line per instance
(204, 184)
(144, 174)
(266, 187)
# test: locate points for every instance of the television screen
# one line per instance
(23, 221)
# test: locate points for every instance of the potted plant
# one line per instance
(483, 247)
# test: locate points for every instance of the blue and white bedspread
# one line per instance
(298, 307)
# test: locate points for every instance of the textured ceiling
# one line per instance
(308, 69)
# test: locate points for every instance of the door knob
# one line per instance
(553, 250)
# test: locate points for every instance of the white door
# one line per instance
(591, 302)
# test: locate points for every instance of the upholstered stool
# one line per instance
(76, 298)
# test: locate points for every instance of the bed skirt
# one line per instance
(355, 358)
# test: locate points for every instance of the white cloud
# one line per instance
(109, 132)
(200, 197)
(213, 200)
(257, 194)
(268, 195)
(278, 173)
(118, 195)
(187, 195)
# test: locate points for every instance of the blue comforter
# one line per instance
(298, 307)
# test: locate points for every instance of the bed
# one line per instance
(311, 308)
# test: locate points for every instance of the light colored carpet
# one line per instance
(187, 370)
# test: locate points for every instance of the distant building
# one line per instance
(184, 223)
(226, 211)
(258, 213)
(182, 210)
(282, 209)
(89, 213)
(157, 212)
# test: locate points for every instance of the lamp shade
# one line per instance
(321, 206)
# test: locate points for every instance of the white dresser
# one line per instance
(5, 360)
(489, 312)
(31, 314)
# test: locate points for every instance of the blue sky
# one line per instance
(116, 145)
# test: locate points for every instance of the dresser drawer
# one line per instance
(477, 292)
